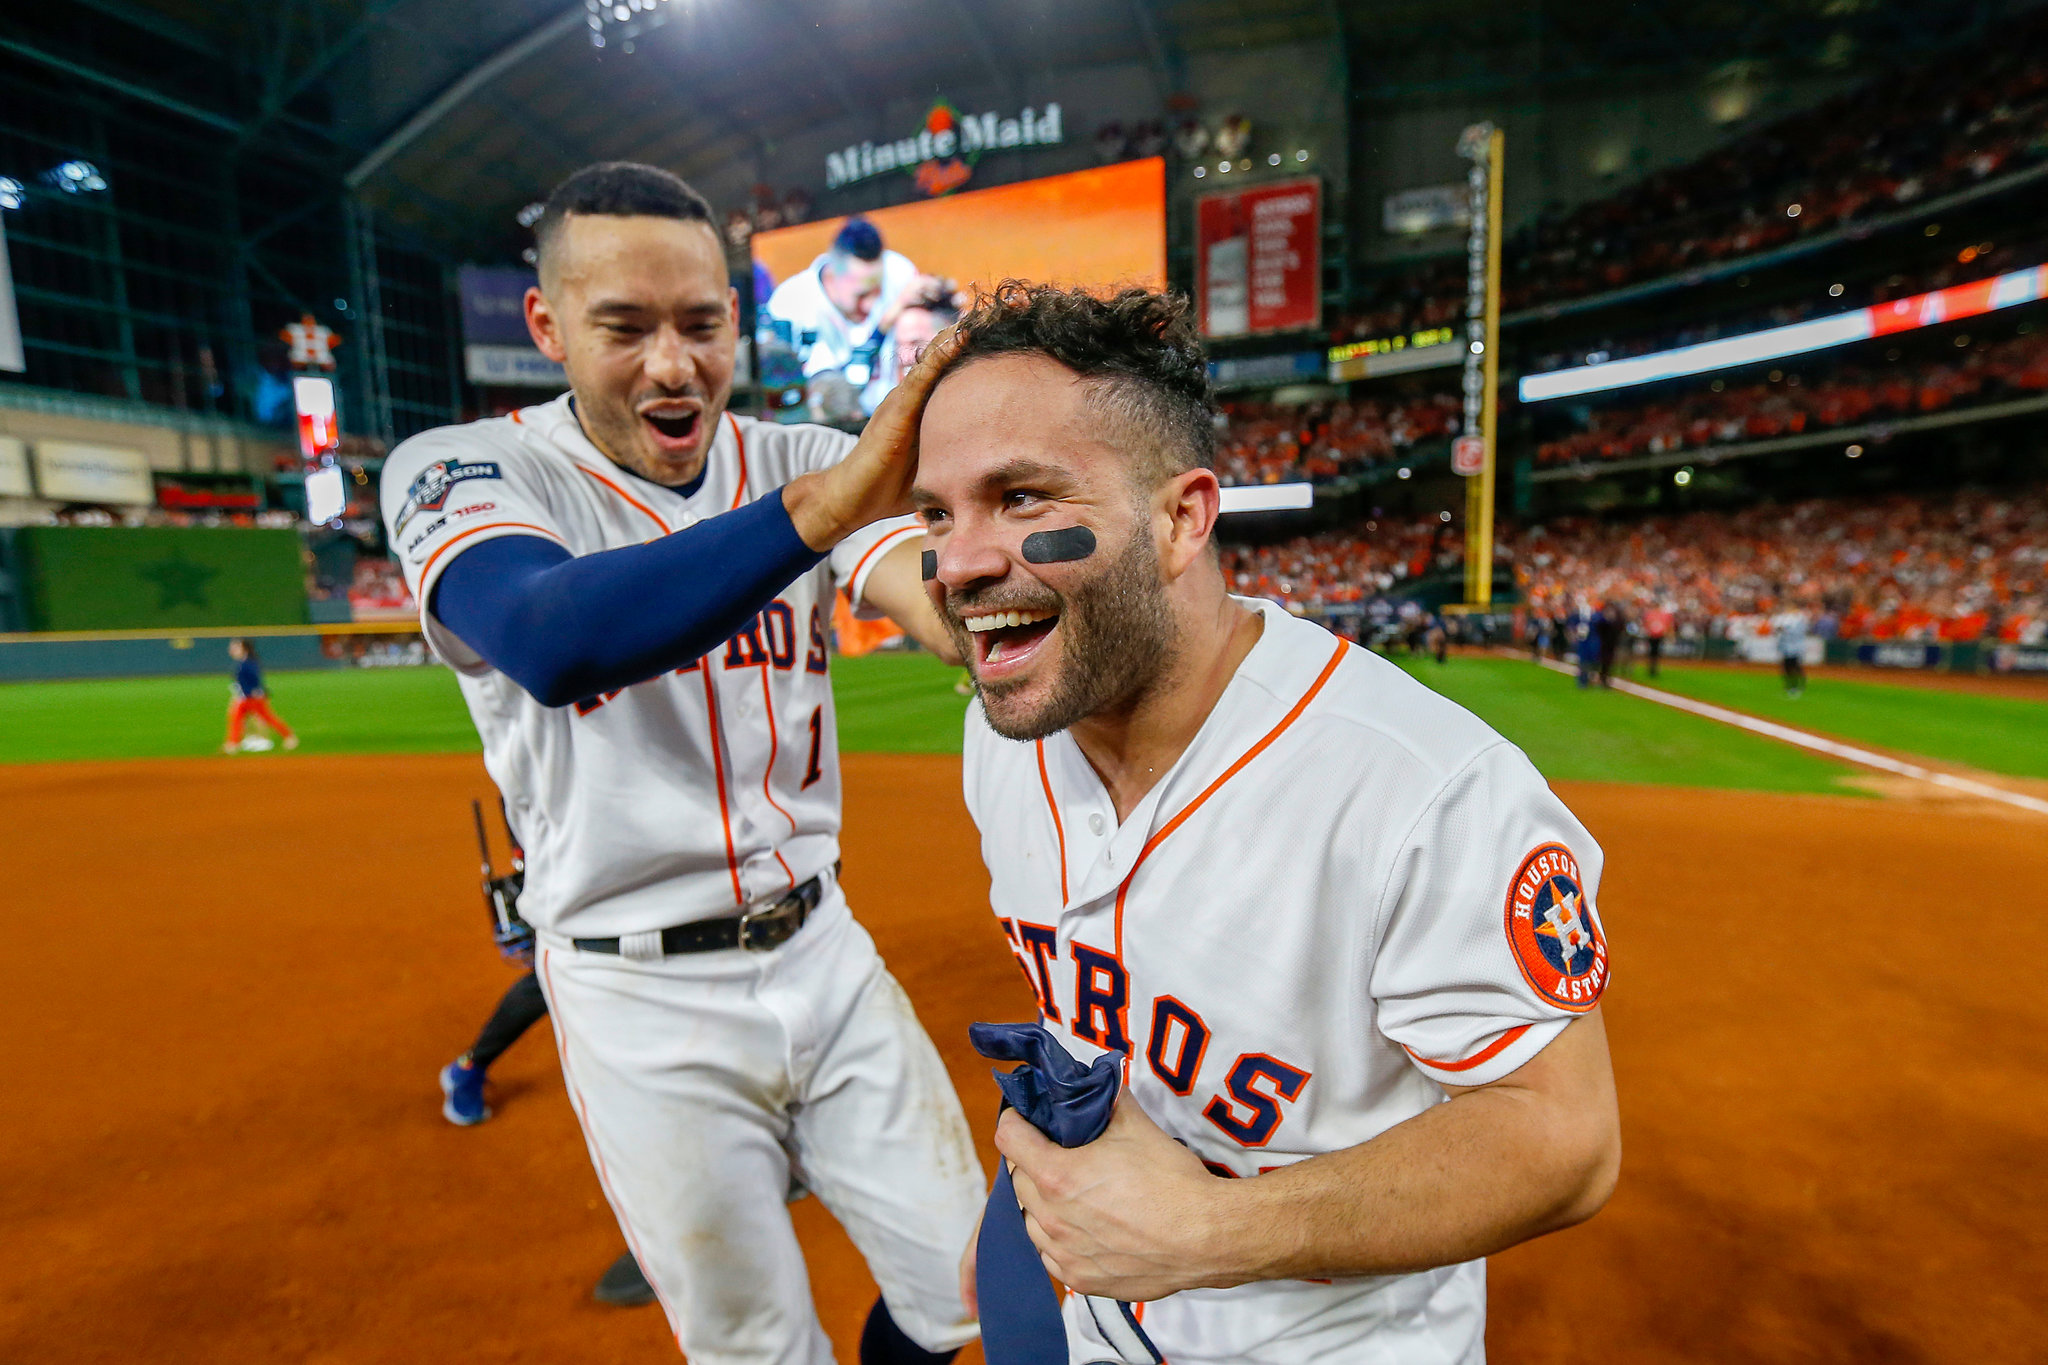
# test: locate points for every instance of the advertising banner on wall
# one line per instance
(68, 471)
(496, 348)
(1258, 259)
(14, 477)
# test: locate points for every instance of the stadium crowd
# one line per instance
(1903, 138)
(1264, 443)
(1961, 566)
(1339, 568)
(1843, 395)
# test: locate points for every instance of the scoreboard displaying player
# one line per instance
(834, 333)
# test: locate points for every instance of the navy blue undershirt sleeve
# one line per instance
(568, 627)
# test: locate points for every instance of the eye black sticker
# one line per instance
(1059, 547)
(931, 565)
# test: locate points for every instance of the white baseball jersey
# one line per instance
(1346, 893)
(691, 795)
(800, 301)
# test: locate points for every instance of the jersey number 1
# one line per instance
(812, 772)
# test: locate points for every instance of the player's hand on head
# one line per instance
(874, 480)
(1133, 1215)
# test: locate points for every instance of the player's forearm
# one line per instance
(568, 628)
(1467, 1179)
(895, 587)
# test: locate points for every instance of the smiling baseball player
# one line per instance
(1341, 933)
(634, 587)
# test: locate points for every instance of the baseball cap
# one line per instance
(860, 239)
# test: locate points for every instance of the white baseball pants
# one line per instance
(706, 1082)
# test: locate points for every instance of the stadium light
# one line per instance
(13, 194)
(1840, 329)
(76, 177)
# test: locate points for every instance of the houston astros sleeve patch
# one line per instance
(1553, 931)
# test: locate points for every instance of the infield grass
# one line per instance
(1998, 734)
(1594, 735)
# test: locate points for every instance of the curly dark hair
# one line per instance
(1141, 347)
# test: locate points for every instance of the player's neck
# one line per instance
(1132, 747)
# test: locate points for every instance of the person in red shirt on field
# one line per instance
(251, 698)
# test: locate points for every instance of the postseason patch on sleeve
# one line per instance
(1553, 931)
(429, 492)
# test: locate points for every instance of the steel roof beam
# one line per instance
(1169, 65)
(458, 94)
(984, 46)
(157, 26)
(806, 33)
(120, 86)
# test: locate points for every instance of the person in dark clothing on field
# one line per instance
(1612, 630)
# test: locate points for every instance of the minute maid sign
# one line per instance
(944, 150)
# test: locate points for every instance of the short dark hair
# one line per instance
(859, 239)
(1140, 346)
(619, 189)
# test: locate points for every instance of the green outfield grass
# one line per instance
(891, 703)
(351, 711)
(905, 703)
(900, 703)
(1600, 736)
(1997, 734)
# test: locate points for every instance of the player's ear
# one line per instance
(544, 327)
(733, 304)
(1189, 502)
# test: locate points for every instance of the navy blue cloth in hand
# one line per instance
(1071, 1104)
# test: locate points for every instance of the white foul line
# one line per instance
(1818, 743)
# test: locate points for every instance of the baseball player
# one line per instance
(1340, 934)
(633, 586)
(248, 697)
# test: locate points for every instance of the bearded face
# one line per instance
(1044, 659)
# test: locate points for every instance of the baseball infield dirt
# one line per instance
(233, 981)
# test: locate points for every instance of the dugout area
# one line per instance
(231, 1005)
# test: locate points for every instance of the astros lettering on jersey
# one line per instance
(619, 827)
(1347, 893)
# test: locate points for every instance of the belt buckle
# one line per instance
(771, 921)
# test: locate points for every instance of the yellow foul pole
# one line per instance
(1484, 145)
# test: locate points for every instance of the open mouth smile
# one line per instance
(673, 426)
(1005, 641)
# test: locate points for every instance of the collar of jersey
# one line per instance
(569, 434)
(1280, 664)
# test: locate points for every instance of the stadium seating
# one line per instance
(1961, 566)
(1268, 444)
(1841, 394)
(1897, 140)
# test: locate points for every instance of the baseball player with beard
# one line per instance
(634, 586)
(1339, 933)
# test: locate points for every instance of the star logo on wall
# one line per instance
(178, 580)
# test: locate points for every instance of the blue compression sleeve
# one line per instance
(565, 628)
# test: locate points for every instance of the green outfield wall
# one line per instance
(93, 578)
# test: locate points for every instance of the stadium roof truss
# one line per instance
(447, 114)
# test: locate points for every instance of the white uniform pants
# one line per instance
(705, 1082)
